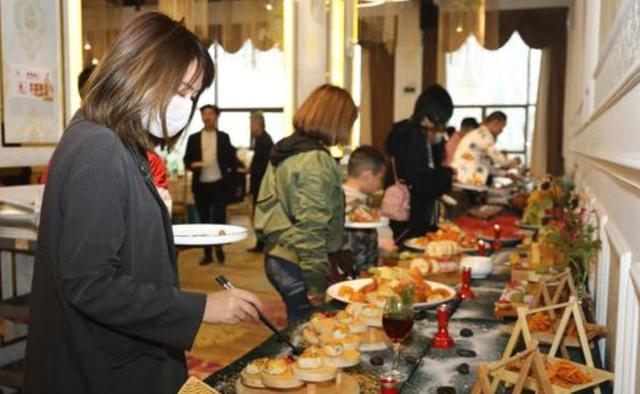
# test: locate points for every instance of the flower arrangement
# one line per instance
(574, 237)
(549, 196)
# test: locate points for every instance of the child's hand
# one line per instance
(387, 245)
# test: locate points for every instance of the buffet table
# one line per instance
(439, 368)
(431, 370)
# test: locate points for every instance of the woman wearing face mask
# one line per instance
(107, 314)
(417, 147)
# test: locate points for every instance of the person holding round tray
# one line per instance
(365, 176)
(107, 313)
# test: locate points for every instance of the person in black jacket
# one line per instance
(417, 148)
(107, 314)
(262, 144)
(213, 161)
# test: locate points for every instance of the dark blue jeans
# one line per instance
(286, 278)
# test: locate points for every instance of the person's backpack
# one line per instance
(396, 199)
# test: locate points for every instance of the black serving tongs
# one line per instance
(222, 281)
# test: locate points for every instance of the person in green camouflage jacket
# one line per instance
(299, 213)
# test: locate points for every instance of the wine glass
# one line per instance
(397, 322)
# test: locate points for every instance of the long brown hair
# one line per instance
(142, 70)
(327, 115)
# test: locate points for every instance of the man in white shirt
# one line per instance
(477, 153)
(213, 160)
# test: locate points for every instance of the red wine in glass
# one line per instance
(396, 327)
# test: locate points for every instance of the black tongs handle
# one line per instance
(222, 281)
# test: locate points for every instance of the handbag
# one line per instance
(396, 199)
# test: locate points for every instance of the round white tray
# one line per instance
(383, 222)
(207, 234)
(334, 291)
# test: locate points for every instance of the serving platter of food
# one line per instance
(365, 217)
(565, 376)
(448, 241)
(309, 373)
(391, 281)
(207, 234)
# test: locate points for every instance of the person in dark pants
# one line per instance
(262, 144)
(213, 161)
(417, 145)
(300, 210)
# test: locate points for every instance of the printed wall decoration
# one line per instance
(32, 72)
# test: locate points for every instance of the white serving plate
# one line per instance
(475, 188)
(334, 290)
(383, 222)
(481, 266)
(411, 243)
(207, 234)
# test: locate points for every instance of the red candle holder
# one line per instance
(465, 291)
(482, 248)
(389, 385)
(442, 339)
(497, 234)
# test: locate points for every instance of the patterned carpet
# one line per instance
(217, 345)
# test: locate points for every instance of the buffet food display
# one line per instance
(448, 241)
(387, 281)
(363, 214)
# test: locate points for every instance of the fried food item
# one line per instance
(447, 231)
(565, 374)
(346, 292)
(358, 297)
(364, 214)
(560, 372)
(540, 322)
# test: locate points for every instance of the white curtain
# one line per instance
(194, 13)
(539, 143)
(366, 137)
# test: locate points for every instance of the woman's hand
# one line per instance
(231, 307)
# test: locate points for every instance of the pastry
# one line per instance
(310, 366)
(279, 374)
(310, 336)
(251, 374)
(357, 326)
(322, 323)
(377, 298)
(337, 356)
(344, 317)
(373, 340)
(342, 334)
(371, 315)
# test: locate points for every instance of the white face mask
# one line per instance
(178, 113)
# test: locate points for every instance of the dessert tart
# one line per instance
(371, 315)
(377, 299)
(373, 340)
(310, 366)
(337, 356)
(279, 374)
(322, 323)
(251, 374)
(358, 326)
(342, 334)
(310, 336)
(344, 317)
